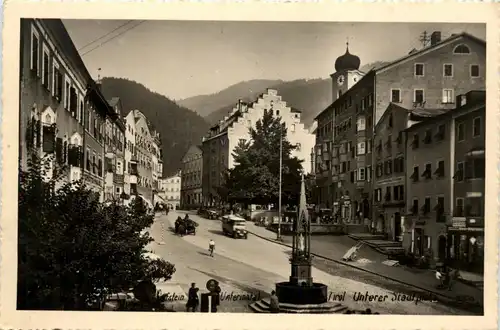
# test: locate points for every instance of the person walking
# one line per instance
(193, 301)
(274, 305)
(211, 247)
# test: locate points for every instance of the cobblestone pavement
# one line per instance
(255, 265)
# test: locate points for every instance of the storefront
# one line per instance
(465, 244)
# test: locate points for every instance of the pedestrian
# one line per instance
(193, 301)
(274, 305)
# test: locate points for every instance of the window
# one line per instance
(459, 207)
(368, 146)
(387, 196)
(475, 168)
(45, 67)
(298, 146)
(474, 207)
(476, 127)
(448, 70)
(57, 82)
(415, 141)
(360, 124)
(414, 207)
(474, 71)
(414, 175)
(353, 176)
(439, 208)
(398, 193)
(440, 132)
(35, 51)
(418, 96)
(428, 171)
(461, 49)
(361, 174)
(461, 132)
(395, 95)
(388, 167)
(427, 205)
(361, 148)
(368, 173)
(419, 69)
(391, 121)
(448, 96)
(66, 94)
(428, 136)
(440, 169)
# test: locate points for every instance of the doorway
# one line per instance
(442, 243)
(397, 226)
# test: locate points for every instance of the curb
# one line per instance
(368, 271)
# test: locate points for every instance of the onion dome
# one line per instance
(347, 61)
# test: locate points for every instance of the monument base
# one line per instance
(290, 293)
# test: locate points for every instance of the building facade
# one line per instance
(171, 190)
(191, 181)
(445, 175)
(61, 107)
(130, 159)
(465, 239)
(114, 142)
(220, 142)
(424, 79)
(141, 160)
(157, 164)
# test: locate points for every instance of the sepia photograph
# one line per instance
(245, 166)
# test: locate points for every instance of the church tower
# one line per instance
(346, 73)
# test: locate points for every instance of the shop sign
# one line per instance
(458, 222)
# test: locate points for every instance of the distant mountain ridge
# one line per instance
(178, 126)
(311, 96)
(204, 105)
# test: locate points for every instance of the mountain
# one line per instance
(178, 126)
(206, 104)
(309, 95)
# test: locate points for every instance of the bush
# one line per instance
(74, 250)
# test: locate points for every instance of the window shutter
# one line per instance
(99, 167)
(30, 134)
(49, 136)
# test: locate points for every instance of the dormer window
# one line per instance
(461, 49)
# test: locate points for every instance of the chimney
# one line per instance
(435, 37)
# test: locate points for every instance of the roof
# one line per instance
(391, 106)
(409, 56)
(193, 149)
(477, 101)
(419, 52)
(295, 110)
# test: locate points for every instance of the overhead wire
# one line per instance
(105, 35)
(112, 38)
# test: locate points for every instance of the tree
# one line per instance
(255, 178)
(74, 250)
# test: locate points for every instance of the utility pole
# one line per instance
(280, 179)
(424, 39)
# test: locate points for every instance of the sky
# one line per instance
(180, 59)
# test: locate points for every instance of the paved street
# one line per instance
(255, 265)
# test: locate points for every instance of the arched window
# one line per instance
(461, 49)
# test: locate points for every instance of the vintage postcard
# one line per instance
(251, 166)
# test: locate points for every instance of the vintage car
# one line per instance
(234, 226)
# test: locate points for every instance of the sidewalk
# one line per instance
(419, 279)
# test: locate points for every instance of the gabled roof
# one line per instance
(114, 101)
(388, 110)
(444, 42)
(193, 149)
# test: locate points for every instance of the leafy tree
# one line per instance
(255, 178)
(74, 250)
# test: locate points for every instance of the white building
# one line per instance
(170, 190)
(218, 146)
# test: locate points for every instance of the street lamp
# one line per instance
(280, 180)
